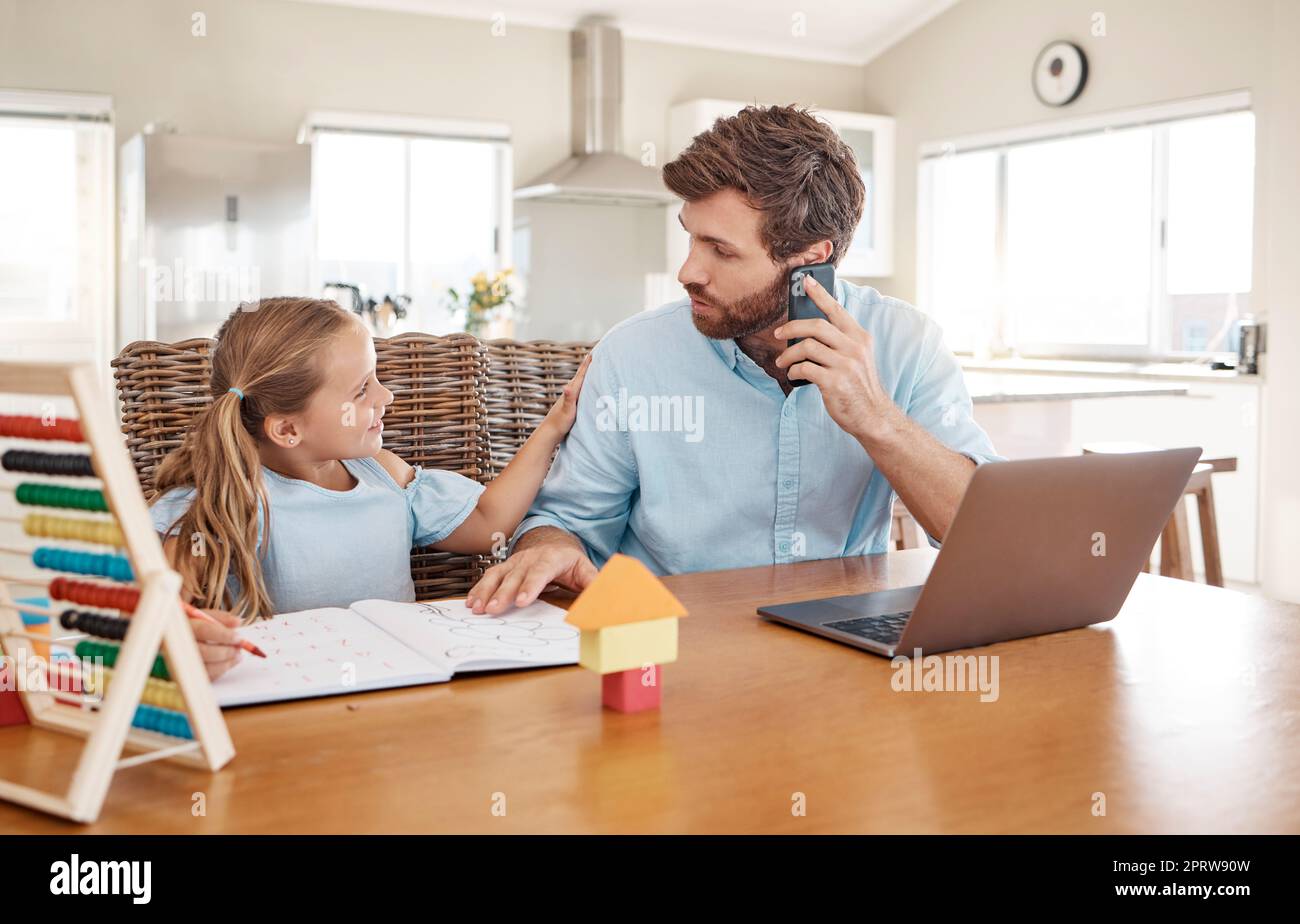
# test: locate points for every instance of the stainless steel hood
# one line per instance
(597, 174)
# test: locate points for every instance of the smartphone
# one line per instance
(802, 306)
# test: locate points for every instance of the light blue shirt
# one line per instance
(689, 457)
(332, 548)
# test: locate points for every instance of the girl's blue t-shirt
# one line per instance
(332, 548)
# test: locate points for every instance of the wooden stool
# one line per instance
(1175, 540)
(905, 532)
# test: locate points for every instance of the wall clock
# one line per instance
(1060, 72)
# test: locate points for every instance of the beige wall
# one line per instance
(265, 63)
(968, 71)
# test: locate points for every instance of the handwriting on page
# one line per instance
(317, 647)
(521, 635)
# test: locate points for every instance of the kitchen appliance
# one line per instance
(597, 173)
(1250, 343)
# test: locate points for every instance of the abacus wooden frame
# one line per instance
(158, 619)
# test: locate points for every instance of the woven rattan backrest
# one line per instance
(524, 380)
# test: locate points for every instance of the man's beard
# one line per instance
(746, 315)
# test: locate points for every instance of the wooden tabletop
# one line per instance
(1184, 712)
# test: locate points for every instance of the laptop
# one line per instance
(1037, 546)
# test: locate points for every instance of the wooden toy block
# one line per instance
(620, 648)
(628, 630)
(624, 591)
(11, 704)
(633, 690)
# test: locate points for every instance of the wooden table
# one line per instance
(1184, 712)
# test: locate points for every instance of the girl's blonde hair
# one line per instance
(272, 352)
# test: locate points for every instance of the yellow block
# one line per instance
(624, 648)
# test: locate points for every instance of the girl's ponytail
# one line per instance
(266, 362)
(218, 533)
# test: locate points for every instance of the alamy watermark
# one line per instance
(946, 674)
(652, 414)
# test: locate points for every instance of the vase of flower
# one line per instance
(486, 304)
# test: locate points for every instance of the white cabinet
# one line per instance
(872, 139)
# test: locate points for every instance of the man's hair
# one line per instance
(793, 167)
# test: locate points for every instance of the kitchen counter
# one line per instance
(1002, 387)
(1181, 371)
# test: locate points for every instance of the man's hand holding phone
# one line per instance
(838, 356)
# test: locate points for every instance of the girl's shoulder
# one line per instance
(384, 468)
(399, 471)
(168, 507)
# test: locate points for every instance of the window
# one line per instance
(1127, 239)
(408, 211)
(56, 214)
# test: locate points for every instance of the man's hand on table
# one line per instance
(542, 556)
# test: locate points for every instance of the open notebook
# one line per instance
(376, 644)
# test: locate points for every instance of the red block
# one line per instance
(11, 704)
(633, 690)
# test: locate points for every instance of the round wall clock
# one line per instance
(1060, 72)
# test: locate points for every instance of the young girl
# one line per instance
(281, 497)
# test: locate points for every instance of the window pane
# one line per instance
(1079, 239)
(453, 213)
(38, 223)
(1209, 235)
(963, 247)
(359, 184)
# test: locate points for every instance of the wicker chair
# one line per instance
(524, 379)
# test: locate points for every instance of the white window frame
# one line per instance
(94, 320)
(408, 126)
(1158, 117)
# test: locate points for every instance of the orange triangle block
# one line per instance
(624, 591)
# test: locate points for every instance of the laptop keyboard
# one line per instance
(887, 629)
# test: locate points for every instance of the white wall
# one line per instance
(968, 71)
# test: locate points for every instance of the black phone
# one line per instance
(802, 307)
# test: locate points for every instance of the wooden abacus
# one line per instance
(160, 706)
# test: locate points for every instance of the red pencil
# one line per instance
(195, 613)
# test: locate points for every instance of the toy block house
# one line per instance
(628, 625)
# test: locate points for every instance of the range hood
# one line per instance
(597, 174)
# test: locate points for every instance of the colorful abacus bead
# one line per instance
(96, 624)
(103, 651)
(48, 463)
(164, 694)
(163, 721)
(123, 599)
(116, 567)
(40, 428)
(99, 532)
(33, 494)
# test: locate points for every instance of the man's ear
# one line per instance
(282, 431)
(819, 252)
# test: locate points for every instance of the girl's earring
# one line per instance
(291, 441)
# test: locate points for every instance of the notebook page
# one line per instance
(449, 633)
(324, 652)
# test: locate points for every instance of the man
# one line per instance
(766, 472)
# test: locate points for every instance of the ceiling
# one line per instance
(838, 31)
